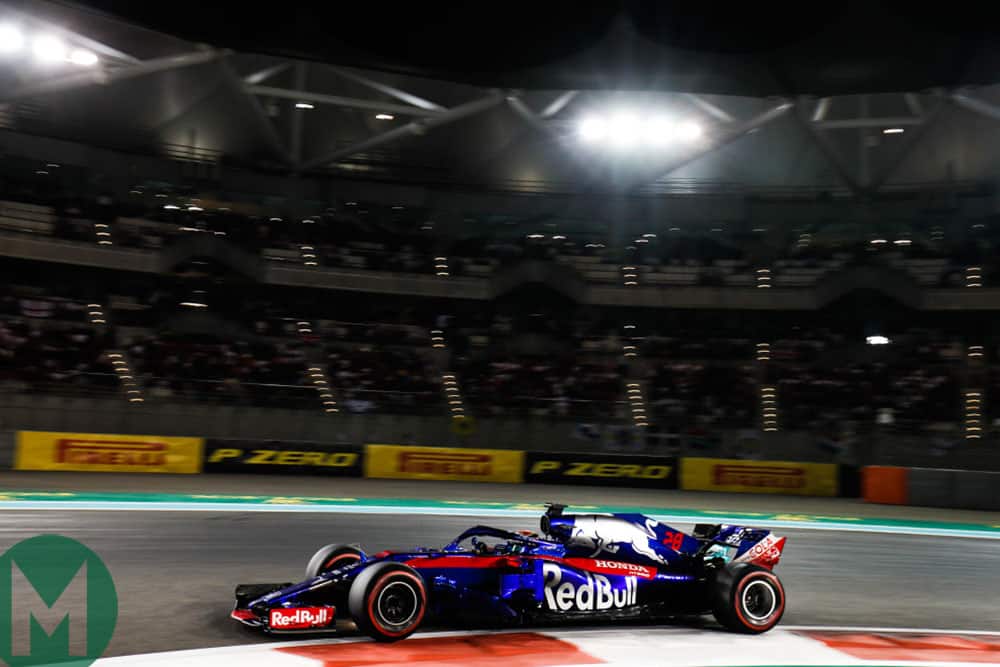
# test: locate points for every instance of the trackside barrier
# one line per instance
(444, 463)
(848, 481)
(100, 452)
(888, 485)
(931, 487)
(36, 450)
(657, 472)
(292, 458)
(777, 477)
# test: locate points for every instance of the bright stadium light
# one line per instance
(83, 57)
(593, 129)
(11, 39)
(659, 131)
(49, 49)
(629, 129)
(625, 130)
(877, 340)
(689, 131)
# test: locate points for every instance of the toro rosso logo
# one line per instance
(603, 533)
(300, 618)
(595, 593)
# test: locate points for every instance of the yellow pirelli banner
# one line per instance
(741, 476)
(99, 452)
(444, 463)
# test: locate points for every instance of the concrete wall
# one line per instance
(935, 487)
(932, 487)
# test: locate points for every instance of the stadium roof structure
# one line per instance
(849, 97)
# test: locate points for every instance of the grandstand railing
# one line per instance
(279, 395)
(75, 384)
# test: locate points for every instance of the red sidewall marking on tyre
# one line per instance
(374, 594)
(778, 590)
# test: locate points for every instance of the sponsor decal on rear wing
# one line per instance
(765, 553)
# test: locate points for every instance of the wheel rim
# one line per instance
(759, 601)
(397, 604)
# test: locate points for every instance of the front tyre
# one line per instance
(331, 557)
(388, 601)
(748, 599)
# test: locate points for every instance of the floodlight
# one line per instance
(689, 131)
(49, 49)
(83, 57)
(11, 39)
(593, 129)
(625, 130)
(659, 131)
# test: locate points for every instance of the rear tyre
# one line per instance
(388, 601)
(331, 557)
(748, 599)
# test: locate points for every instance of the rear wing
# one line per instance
(740, 544)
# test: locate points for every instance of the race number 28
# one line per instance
(674, 540)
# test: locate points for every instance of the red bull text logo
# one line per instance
(300, 618)
(595, 593)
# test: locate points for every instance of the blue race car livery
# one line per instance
(583, 567)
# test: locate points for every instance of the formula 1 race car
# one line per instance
(586, 567)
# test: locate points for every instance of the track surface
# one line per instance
(315, 485)
(175, 572)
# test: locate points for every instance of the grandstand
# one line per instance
(260, 243)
